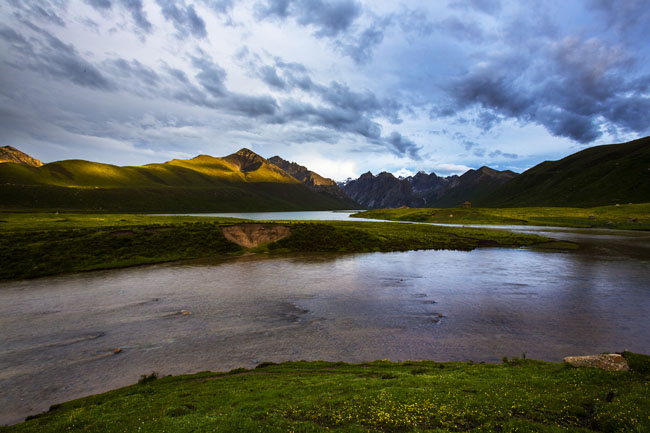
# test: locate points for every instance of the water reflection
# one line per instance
(59, 335)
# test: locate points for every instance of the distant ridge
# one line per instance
(597, 176)
(242, 181)
(11, 154)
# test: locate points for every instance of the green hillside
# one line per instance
(243, 181)
(598, 176)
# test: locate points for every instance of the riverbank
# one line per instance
(623, 217)
(35, 245)
(517, 395)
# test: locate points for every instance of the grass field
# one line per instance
(517, 396)
(626, 217)
(33, 245)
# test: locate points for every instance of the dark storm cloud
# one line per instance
(329, 18)
(568, 86)
(134, 7)
(184, 17)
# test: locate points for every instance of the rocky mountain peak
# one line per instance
(246, 160)
(312, 179)
(11, 154)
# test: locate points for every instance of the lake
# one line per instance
(58, 335)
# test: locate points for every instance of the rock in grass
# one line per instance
(604, 361)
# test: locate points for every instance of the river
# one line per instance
(59, 335)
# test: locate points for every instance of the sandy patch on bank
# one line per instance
(252, 235)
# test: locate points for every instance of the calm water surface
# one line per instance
(58, 335)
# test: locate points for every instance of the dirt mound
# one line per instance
(252, 235)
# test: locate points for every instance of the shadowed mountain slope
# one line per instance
(243, 181)
(597, 176)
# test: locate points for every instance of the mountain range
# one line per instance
(424, 190)
(245, 181)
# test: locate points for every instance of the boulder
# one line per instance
(604, 361)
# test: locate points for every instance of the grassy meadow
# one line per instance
(517, 396)
(624, 217)
(41, 244)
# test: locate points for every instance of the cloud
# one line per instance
(270, 76)
(213, 93)
(44, 12)
(48, 55)
(220, 6)
(462, 29)
(486, 6)
(360, 46)
(183, 17)
(336, 20)
(403, 172)
(622, 15)
(132, 74)
(329, 18)
(499, 154)
(447, 169)
(403, 146)
(134, 7)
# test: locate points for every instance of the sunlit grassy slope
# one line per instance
(597, 176)
(239, 182)
(630, 217)
(517, 396)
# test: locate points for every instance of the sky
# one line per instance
(342, 87)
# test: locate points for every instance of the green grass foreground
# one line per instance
(625, 217)
(34, 245)
(517, 396)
